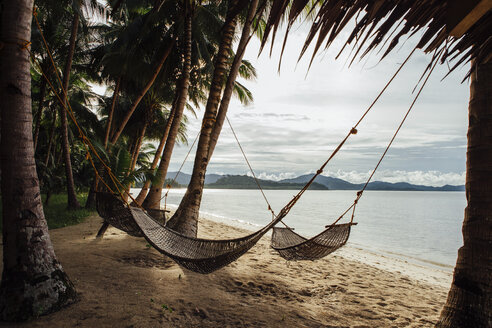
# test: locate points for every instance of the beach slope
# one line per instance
(123, 282)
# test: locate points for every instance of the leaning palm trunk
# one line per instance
(33, 281)
(143, 192)
(72, 197)
(138, 146)
(105, 225)
(91, 196)
(111, 112)
(135, 153)
(153, 199)
(186, 216)
(231, 79)
(51, 138)
(469, 302)
(143, 92)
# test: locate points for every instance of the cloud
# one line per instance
(297, 119)
(427, 178)
(274, 176)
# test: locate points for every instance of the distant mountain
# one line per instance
(321, 183)
(329, 182)
(184, 179)
(247, 182)
(339, 184)
(378, 185)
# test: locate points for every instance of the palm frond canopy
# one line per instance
(462, 29)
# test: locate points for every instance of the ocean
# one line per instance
(417, 226)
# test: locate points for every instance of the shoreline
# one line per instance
(428, 274)
(427, 271)
(123, 282)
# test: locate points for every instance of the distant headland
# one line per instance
(218, 181)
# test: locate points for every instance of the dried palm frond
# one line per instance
(383, 23)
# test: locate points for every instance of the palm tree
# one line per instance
(145, 188)
(469, 299)
(143, 91)
(186, 216)
(152, 200)
(207, 24)
(72, 196)
(128, 46)
(33, 281)
(142, 32)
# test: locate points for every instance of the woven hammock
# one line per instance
(292, 246)
(116, 213)
(195, 254)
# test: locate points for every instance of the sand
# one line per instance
(123, 282)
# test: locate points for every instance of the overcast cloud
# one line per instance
(296, 119)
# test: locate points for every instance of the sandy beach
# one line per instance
(123, 282)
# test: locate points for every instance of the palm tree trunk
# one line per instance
(51, 140)
(143, 192)
(231, 79)
(33, 281)
(135, 152)
(90, 203)
(91, 195)
(111, 111)
(142, 93)
(42, 93)
(153, 199)
(132, 145)
(185, 218)
(72, 197)
(137, 148)
(469, 302)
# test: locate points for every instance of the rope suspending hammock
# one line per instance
(205, 255)
(196, 254)
(293, 246)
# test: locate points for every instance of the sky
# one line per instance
(298, 117)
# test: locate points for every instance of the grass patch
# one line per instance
(58, 216)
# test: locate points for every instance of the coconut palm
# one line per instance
(207, 24)
(153, 199)
(186, 216)
(33, 281)
(469, 299)
(130, 50)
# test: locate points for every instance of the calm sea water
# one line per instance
(423, 227)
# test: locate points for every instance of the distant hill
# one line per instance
(184, 179)
(329, 182)
(322, 182)
(339, 184)
(247, 182)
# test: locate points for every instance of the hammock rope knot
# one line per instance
(23, 44)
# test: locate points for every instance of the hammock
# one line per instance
(116, 213)
(292, 246)
(195, 254)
